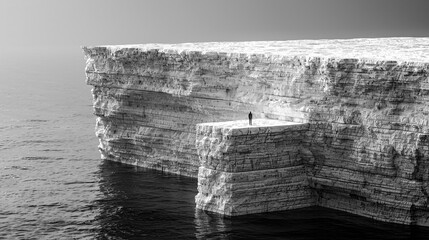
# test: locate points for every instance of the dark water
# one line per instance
(53, 185)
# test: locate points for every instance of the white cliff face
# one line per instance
(266, 167)
(251, 169)
(365, 100)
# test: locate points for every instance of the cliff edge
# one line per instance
(365, 101)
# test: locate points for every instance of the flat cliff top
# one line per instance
(256, 123)
(379, 49)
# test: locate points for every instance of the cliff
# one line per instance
(365, 101)
(252, 169)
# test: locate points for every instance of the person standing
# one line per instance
(250, 118)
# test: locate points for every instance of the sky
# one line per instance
(60, 24)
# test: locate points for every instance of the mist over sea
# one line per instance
(53, 184)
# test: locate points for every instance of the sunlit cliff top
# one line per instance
(380, 49)
(256, 123)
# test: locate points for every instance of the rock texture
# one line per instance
(367, 145)
(251, 169)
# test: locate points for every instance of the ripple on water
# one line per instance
(16, 168)
(34, 158)
(52, 150)
(37, 120)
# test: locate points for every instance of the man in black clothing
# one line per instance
(250, 118)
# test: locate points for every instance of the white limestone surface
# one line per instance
(366, 102)
(401, 49)
(251, 169)
(256, 123)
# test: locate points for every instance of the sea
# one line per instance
(53, 184)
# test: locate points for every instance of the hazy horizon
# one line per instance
(53, 24)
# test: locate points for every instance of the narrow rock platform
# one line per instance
(251, 168)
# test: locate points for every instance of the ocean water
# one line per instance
(53, 184)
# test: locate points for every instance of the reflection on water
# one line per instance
(308, 223)
(141, 203)
(210, 225)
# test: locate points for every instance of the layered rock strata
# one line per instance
(365, 100)
(251, 169)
